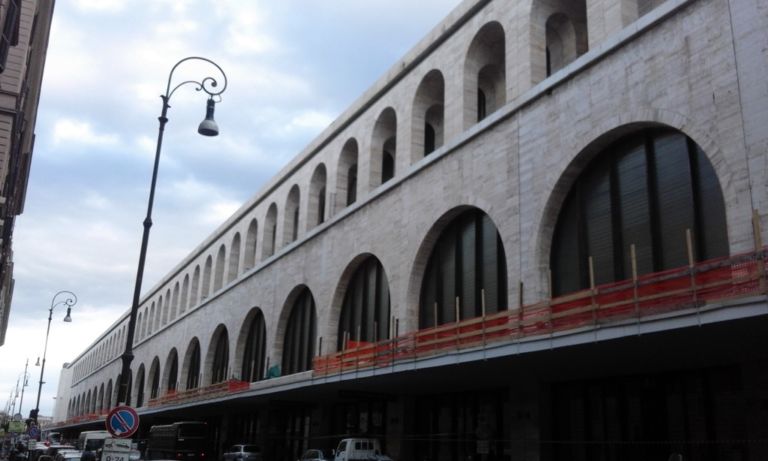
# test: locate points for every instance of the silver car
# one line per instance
(242, 453)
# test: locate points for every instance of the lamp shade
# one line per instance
(208, 127)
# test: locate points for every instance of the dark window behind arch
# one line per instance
(298, 349)
(365, 312)
(255, 350)
(220, 358)
(388, 161)
(646, 189)
(467, 261)
(193, 372)
(173, 372)
(429, 138)
(352, 184)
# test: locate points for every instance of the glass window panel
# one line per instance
(491, 266)
(713, 232)
(468, 270)
(634, 208)
(597, 211)
(675, 200)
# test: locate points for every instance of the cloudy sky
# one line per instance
(293, 66)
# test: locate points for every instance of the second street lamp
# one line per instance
(208, 127)
(66, 298)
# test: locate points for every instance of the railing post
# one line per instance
(759, 250)
(592, 292)
(692, 270)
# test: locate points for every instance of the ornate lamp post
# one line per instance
(68, 299)
(208, 127)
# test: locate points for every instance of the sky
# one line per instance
(292, 67)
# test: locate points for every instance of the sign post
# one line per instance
(122, 422)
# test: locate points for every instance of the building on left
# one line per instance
(26, 27)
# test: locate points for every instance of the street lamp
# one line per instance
(68, 299)
(208, 127)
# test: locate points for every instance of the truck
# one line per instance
(359, 449)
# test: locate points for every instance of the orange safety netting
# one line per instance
(687, 287)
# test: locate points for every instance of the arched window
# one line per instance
(427, 119)
(207, 269)
(195, 287)
(384, 147)
(154, 379)
(167, 308)
(485, 74)
(101, 406)
(559, 35)
(234, 258)
(172, 371)
(365, 312)
(184, 295)
(220, 350)
(130, 387)
(138, 332)
(346, 175)
(250, 245)
(270, 232)
(140, 387)
(317, 197)
(645, 190)
(164, 309)
(298, 346)
(218, 277)
(175, 301)
(108, 395)
(192, 361)
(291, 227)
(467, 263)
(254, 352)
(150, 326)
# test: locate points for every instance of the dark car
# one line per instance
(242, 453)
(315, 454)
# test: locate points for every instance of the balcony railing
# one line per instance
(223, 388)
(690, 287)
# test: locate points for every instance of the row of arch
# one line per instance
(562, 26)
(646, 190)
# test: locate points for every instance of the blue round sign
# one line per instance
(33, 432)
(122, 421)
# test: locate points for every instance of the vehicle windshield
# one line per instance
(94, 444)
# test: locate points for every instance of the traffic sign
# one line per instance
(116, 450)
(122, 421)
(33, 432)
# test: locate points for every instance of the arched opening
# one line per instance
(140, 387)
(485, 74)
(291, 224)
(234, 259)
(427, 118)
(250, 245)
(152, 320)
(384, 148)
(171, 372)
(140, 323)
(206, 288)
(175, 301)
(254, 347)
(647, 190)
(346, 175)
(192, 365)
(467, 266)
(154, 379)
(317, 189)
(558, 36)
(218, 277)
(269, 241)
(108, 395)
(365, 311)
(299, 341)
(101, 399)
(218, 355)
(184, 295)
(195, 287)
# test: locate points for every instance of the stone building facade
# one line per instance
(521, 149)
(23, 46)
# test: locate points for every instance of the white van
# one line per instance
(92, 440)
(359, 450)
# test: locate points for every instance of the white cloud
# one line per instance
(219, 211)
(96, 201)
(311, 119)
(101, 6)
(68, 130)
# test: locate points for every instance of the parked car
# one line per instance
(242, 453)
(68, 455)
(316, 454)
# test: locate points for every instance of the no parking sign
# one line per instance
(122, 421)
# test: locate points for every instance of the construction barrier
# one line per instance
(688, 287)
